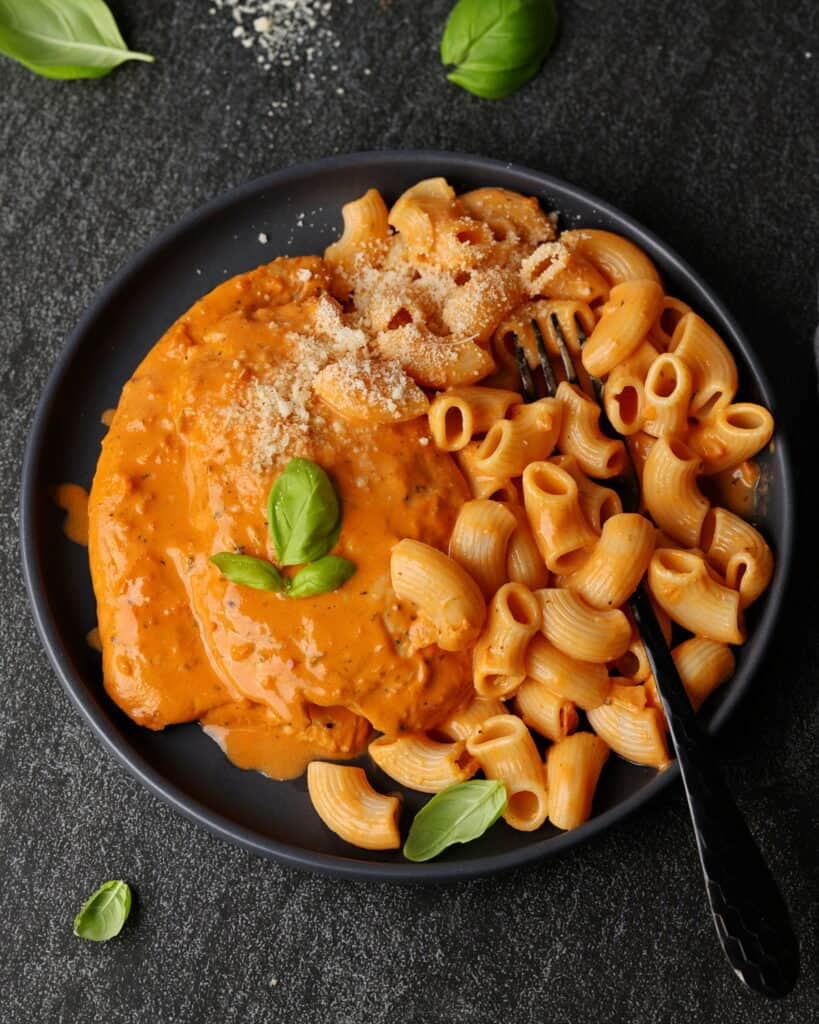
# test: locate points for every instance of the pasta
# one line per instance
(481, 485)
(485, 562)
(693, 595)
(505, 750)
(350, 807)
(455, 416)
(445, 594)
(632, 308)
(712, 366)
(597, 503)
(616, 563)
(583, 683)
(573, 766)
(667, 389)
(479, 541)
(523, 560)
(500, 654)
(617, 258)
(580, 630)
(580, 435)
(703, 665)
(731, 435)
(528, 435)
(461, 724)
(739, 552)
(552, 716)
(421, 763)
(634, 665)
(552, 502)
(624, 397)
(670, 491)
(637, 734)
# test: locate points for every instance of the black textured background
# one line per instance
(700, 119)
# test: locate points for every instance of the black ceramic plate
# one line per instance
(298, 210)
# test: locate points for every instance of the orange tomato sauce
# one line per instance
(275, 680)
(74, 500)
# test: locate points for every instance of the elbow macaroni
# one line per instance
(505, 750)
(542, 560)
(350, 807)
(421, 763)
(500, 654)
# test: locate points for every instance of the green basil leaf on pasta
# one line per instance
(303, 513)
(63, 38)
(249, 571)
(458, 814)
(497, 45)
(328, 573)
(104, 912)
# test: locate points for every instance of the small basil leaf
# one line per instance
(104, 912)
(320, 577)
(249, 571)
(68, 39)
(457, 814)
(492, 85)
(487, 37)
(303, 513)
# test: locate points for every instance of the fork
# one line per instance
(750, 915)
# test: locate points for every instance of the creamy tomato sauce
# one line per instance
(202, 429)
(74, 500)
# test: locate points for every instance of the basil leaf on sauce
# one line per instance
(63, 38)
(457, 814)
(497, 45)
(249, 571)
(303, 513)
(104, 912)
(320, 577)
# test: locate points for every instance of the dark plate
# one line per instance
(298, 208)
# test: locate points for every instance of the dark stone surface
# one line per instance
(700, 119)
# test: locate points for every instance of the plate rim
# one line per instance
(217, 824)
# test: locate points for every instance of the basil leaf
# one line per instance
(303, 513)
(63, 38)
(497, 45)
(249, 571)
(457, 814)
(104, 912)
(493, 85)
(321, 577)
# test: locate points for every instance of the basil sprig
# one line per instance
(303, 513)
(104, 912)
(249, 571)
(458, 814)
(497, 45)
(63, 38)
(304, 518)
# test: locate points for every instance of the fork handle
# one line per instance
(749, 913)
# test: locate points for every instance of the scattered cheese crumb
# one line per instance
(543, 265)
(263, 237)
(282, 32)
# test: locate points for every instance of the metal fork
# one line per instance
(750, 916)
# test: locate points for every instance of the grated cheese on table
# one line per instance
(283, 32)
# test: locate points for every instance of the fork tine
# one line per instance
(545, 365)
(563, 348)
(526, 378)
(596, 383)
